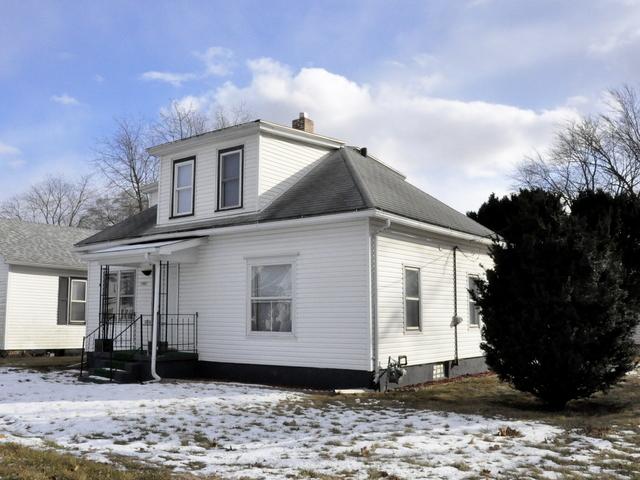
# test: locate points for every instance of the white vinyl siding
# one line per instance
(32, 311)
(435, 341)
(331, 297)
(282, 163)
(206, 181)
(4, 274)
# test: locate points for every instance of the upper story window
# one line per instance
(474, 310)
(412, 298)
(230, 178)
(183, 189)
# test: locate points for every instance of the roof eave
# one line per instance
(20, 263)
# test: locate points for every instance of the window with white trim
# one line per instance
(271, 297)
(77, 301)
(412, 305)
(122, 293)
(183, 177)
(230, 178)
(474, 310)
(72, 298)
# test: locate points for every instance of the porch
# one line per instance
(120, 349)
(141, 331)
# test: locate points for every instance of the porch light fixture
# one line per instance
(146, 269)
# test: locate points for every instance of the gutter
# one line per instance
(428, 227)
(249, 227)
(374, 299)
(46, 265)
(294, 222)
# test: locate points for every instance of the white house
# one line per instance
(277, 255)
(42, 287)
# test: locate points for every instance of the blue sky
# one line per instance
(452, 93)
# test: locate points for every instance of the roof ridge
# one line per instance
(362, 188)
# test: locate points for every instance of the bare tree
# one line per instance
(179, 121)
(107, 210)
(229, 116)
(125, 163)
(597, 152)
(55, 200)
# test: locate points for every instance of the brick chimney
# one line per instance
(303, 122)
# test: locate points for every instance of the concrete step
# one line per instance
(92, 379)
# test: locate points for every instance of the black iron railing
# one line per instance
(88, 339)
(126, 332)
(176, 332)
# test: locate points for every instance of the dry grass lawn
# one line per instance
(612, 417)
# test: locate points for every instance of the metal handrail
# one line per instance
(84, 342)
(114, 343)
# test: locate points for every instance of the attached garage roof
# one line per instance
(343, 181)
(27, 243)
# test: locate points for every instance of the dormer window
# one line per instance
(183, 180)
(230, 178)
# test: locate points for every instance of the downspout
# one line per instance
(374, 299)
(455, 320)
(154, 321)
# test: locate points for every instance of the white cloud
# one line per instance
(10, 156)
(98, 78)
(459, 151)
(175, 79)
(6, 149)
(65, 99)
(217, 61)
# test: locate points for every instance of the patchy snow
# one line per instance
(253, 431)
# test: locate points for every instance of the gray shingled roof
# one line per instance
(39, 244)
(343, 181)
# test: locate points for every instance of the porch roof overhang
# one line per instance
(179, 251)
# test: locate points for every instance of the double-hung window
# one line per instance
(183, 189)
(412, 302)
(121, 294)
(474, 310)
(77, 301)
(72, 298)
(230, 178)
(271, 297)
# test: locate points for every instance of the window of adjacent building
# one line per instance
(183, 176)
(77, 301)
(271, 297)
(474, 310)
(121, 294)
(412, 298)
(230, 179)
(72, 298)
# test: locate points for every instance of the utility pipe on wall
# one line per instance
(154, 321)
(456, 320)
(374, 298)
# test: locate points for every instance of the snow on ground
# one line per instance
(251, 431)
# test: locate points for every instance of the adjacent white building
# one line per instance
(281, 256)
(42, 287)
